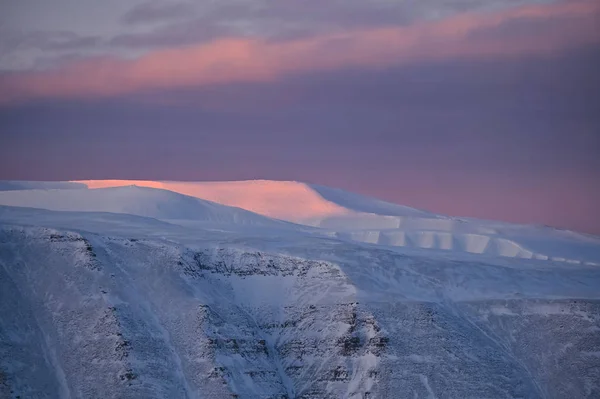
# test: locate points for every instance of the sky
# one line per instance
(482, 108)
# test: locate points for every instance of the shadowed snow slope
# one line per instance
(39, 185)
(141, 201)
(360, 203)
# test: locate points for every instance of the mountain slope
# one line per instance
(138, 317)
(140, 201)
(363, 204)
(39, 185)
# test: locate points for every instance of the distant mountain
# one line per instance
(355, 217)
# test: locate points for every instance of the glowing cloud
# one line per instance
(573, 23)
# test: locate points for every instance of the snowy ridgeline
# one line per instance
(123, 315)
(294, 206)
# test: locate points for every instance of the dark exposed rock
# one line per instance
(349, 345)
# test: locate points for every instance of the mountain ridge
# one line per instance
(332, 212)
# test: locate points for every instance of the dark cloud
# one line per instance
(277, 20)
(158, 11)
(554, 28)
(48, 40)
(159, 23)
(320, 16)
(172, 35)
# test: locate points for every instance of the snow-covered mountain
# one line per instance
(137, 292)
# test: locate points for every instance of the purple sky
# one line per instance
(470, 108)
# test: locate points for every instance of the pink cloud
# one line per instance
(573, 23)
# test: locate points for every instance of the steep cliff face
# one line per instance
(557, 342)
(84, 315)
